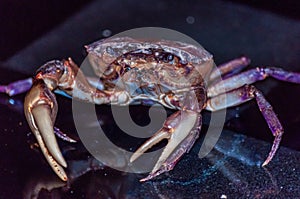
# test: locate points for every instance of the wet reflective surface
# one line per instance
(231, 170)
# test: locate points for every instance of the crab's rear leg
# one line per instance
(239, 93)
(244, 94)
(230, 68)
(181, 130)
(251, 76)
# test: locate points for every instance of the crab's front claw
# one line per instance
(40, 111)
(181, 129)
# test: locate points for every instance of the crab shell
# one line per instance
(161, 71)
(104, 52)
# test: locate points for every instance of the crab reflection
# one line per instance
(233, 161)
(240, 149)
(84, 182)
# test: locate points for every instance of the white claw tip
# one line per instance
(264, 164)
(134, 157)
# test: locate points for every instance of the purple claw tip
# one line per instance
(246, 60)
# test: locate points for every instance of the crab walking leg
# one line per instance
(242, 95)
(22, 86)
(63, 136)
(230, 68)
(17, 87)
(181, 128)
(251, 76)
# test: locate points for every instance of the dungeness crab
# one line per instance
(177, 75)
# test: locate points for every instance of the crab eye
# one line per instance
(170, 57)
(127, 68)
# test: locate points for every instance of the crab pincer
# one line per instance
(40, 105)
(40, 109)
(181, 130)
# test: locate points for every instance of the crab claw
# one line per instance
(181, 129)
(40, 105)
(40, 110)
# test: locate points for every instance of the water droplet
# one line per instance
(106, 33)
(190, 19)
(11, 101)
(223, 196)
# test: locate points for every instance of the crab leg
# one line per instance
(230, 68)
(63, 136)
(181, 129)
(24, 85)
(242, 95)
(251, 76)
(17, 87)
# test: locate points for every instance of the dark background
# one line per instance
(22, 22)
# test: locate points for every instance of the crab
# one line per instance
(177, 75)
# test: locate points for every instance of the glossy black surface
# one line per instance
(226, 30)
